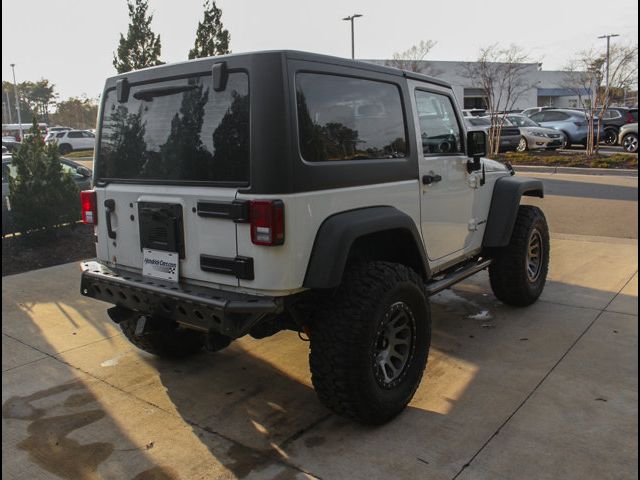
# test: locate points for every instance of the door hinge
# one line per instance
(473, 226)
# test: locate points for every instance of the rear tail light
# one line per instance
(629, 118)
(267, 222)
(89, 207)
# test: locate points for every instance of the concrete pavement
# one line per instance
(549, 391)
(589, 205)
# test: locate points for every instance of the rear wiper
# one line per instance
(150, 93)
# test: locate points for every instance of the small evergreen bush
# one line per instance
(41, 194)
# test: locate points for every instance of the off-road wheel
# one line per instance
(162, 338)
(519, 270)
(370, 342)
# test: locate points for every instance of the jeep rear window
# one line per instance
(345, 118)
(178, 130)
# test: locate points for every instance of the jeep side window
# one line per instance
(439, 126)
(345, 118)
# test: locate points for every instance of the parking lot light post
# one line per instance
(606, 88)
(351, 19)
(6, 94)
(15, 89)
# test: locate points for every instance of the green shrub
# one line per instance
(41, 194)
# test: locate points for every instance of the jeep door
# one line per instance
(446, 195)
(171, 157)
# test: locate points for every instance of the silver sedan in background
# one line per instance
(534, 136)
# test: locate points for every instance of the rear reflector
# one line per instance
(89, 207)
(267, 222)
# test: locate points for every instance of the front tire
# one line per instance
(370, 342)
(519, 270)
(630, 143)
(523, 146)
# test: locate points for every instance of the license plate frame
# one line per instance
(160, 264)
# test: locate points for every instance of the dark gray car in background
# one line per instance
(509, 135)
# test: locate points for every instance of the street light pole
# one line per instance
(15, 89)
(606, 89)
(6, 94)
(351, 19)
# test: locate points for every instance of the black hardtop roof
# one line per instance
(152, 72)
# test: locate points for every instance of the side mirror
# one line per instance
(476, 148)
(476, 143)
(85, 172)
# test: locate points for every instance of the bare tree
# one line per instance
(411, 59)
(501, 74)
(586, 75)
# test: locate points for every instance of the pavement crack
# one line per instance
(302, 431)
(544, 378)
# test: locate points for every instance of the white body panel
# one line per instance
(282, 269)
(209, 236)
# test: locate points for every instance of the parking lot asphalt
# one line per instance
(601, 205)
(544, 392)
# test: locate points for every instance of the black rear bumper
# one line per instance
(229, 313)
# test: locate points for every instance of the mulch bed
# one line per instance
(68, 244)
(573, 159)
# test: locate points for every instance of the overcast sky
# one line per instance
(71, 42)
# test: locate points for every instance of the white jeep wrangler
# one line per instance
(251, 193)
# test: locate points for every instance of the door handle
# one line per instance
(429, 179)
(110, 206)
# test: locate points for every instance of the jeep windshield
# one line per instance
(177, 131)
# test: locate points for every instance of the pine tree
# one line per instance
(141, 47)
(211, 37)
(41, 194)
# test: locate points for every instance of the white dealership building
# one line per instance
(543, 87)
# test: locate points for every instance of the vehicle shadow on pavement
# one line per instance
(105, 409)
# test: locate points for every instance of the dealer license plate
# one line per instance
(160, 264)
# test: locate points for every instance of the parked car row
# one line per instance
(613, 119)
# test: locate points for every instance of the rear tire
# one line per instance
(163, 338)
(65, 149)
(370, 342)
(610, 137)
(519, 270)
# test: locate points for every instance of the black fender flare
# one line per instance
(503, 211)
(337, 234)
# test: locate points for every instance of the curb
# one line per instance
(616, 172)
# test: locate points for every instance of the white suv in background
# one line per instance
(70, 140)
